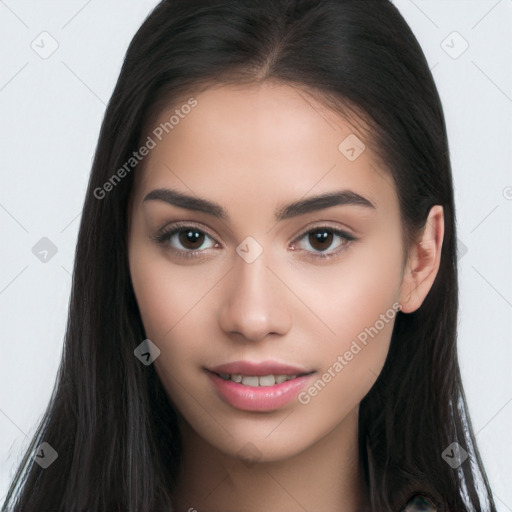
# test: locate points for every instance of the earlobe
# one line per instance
(423, 262)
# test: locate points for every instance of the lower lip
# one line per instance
(261, 398)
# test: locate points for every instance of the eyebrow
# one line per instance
(301, 207)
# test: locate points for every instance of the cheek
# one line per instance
(356, 302)
(174, 303)
(168, 299)
(352, 294)
(166, 293)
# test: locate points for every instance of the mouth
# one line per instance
(259, 380)
(264, 373)
(260, 387)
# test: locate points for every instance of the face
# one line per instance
(309, 290)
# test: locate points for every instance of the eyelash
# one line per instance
(164, 236)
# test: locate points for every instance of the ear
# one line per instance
(422, 262)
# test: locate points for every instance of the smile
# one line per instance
(255, 380)
(258, 392)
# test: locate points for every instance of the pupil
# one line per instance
(323, 237)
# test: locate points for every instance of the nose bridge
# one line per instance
(255, 304)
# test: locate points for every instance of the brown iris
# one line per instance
(191, 236)
(322, 237)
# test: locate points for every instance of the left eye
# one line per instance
(320, 239)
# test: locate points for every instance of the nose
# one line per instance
(254, 304)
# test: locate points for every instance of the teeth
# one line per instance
(255, 381)
(267, 380)
(250, 381)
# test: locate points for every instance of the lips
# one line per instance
(262, 386)
(258, 398)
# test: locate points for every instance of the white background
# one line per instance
(51, 110)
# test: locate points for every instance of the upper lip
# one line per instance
(259, 369)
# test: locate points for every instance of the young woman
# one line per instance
(264, 302)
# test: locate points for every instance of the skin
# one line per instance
(253, 149)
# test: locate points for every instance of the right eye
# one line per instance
(189, 237)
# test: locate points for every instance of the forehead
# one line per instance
(242, 143)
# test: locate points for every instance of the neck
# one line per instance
(326, 476)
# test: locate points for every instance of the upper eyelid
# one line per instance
(176, 226)
(326, 225)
